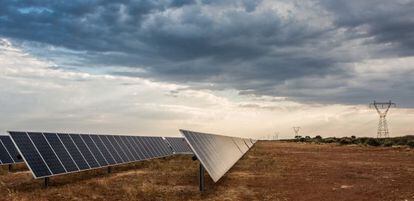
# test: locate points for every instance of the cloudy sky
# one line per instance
(244, 68)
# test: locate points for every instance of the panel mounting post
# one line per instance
(109, 169)
(46, 182)
(201, 178)
(10, 167)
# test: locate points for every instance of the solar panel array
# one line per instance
(178, 145)
(8, 152)
(51, 154)
(217, 153)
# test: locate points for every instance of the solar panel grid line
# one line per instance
(84, 149)
(160, 146)
(54, 153)
(171, 146)
(111, 146)
(64, 147)
(137, 148)
(238, 147)
(111, 149)
(43, 149)
(166, 146)
(104, 150)
(199, 153)
(5, 141)
(94, 150)
(5, 156)
(123, 149)
(145, 144)
(114, 142)
(143, 148)
(210, 153)
(163, 146)
(107, 157)
(131, 148)
(43, 160)
(205, 157)
(123, 146)
(153, 146)
(74, 151)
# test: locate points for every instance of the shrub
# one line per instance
(318, 137)
(344, 141)
(373, 142)
(411, 143)
(388, 143)
(353, 137)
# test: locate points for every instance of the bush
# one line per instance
(318, 137)
(373, 142)
(388, 143)
(344, 141)
(353, 137)
(411, 143)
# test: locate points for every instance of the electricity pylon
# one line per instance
(383, 131)
(296, 129)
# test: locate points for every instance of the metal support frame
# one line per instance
(109, 169)
(10, 167)
(46, 184)
(201, 177)
(382, 109)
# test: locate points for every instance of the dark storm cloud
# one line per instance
(225, 44)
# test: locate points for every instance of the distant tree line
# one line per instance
(385, 142)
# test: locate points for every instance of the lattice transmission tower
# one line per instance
(296, 129)
(382, 110)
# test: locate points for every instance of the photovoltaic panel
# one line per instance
(216, 153)
(61, 152)
(47, 153)
(5, 157)
(74, 152)
(50, 154)
(83, 148)
(179, 145)
(8, 153)
(111, 149)
(104, 150)
(30, 154)
(94, 150)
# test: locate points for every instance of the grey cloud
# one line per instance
(225, 44)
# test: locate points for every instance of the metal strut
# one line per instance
(10, 168)
(201, 177)
(46, 182)
(109, 169)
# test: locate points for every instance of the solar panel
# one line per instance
(179, 145)
(8, 152)
(50, 154)
(216, 153)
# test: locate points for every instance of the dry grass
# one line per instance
(270, 171)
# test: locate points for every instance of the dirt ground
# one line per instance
(269, 171)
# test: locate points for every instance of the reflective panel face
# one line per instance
(49, 154)
(216, 153)
(179, 145)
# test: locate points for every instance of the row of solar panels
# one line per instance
(50, 154)
(217, 153)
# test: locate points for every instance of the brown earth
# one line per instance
(269, 171)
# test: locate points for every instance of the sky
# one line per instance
(248, 68)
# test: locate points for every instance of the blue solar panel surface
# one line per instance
(49, 154)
